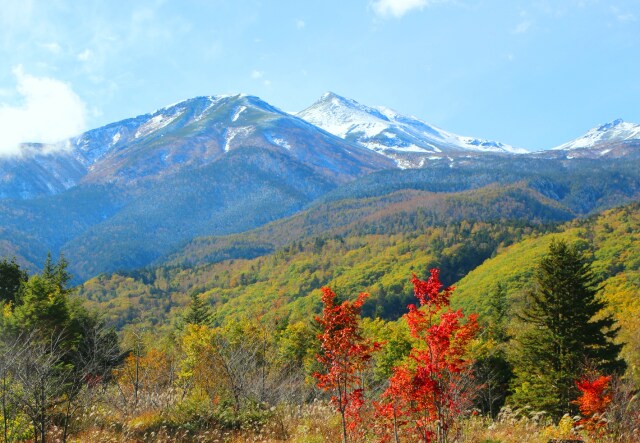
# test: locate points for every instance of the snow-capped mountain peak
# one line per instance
(615, 131)
(391, 133)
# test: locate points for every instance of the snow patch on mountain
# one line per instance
(237, 114)
(212, 102)
(615, 131)
(232, 133)
(383, 129)
(282, 142)
(156, 123)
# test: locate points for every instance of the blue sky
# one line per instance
(532, 74)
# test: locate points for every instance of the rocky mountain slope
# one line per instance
(409, 141)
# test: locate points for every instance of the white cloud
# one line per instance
(300, 24)
(85, 55)
(255, 74)
(49, 112)
(523, 27)
(398, 8)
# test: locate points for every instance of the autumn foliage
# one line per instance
(593, 401)
(428, 391)
(345, 354)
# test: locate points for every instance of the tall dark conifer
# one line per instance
(565, 332)
(11, 279)
(199, 312)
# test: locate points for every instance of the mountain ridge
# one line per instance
(131, 193)
(407, 140)
(205, 127)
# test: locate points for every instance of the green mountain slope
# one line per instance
(374, 247)
(477, 254)
(467, 189)
(403, 211)
(613, 238)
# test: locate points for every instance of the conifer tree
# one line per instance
(565, 331)
(199, 312)
(11, 279)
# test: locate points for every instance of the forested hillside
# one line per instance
(612, 239)
(360, 258)
(288, 280)
(231, 350)
(406, 211)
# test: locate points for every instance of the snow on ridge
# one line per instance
(615, 131)
(232, 133)
(344, 117)
(212, 102)
(156, 122)
(239, 111)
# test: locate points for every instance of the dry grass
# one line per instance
(318, 423)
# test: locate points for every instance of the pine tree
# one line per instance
(564, 332)
(11, 279)
(199, 313)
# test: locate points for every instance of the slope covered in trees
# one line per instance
(289, 279)
(405, 211)
(234, 362)
(611, 239)
(531, 189)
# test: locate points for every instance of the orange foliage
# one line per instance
(345, 354)
(593, 402)
(428, 391)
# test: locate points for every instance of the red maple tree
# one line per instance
(428, 390)
(345, 354)
(593, 401)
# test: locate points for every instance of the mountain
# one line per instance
(522, 188)
(138, 191)
(408, 141)
(143, 186)
(376, 250)
(615, 139)
(398, 211)
(199, 131)
(39, 170)
(187, 135)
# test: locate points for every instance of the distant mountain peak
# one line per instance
(407, 140)
(612, 132)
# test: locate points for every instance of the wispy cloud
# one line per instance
(49, 111)
(623, 16)
(398, 8)
(259, 75)
(85, 55)
(300, 24)
(523, 27)
(52, 47)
